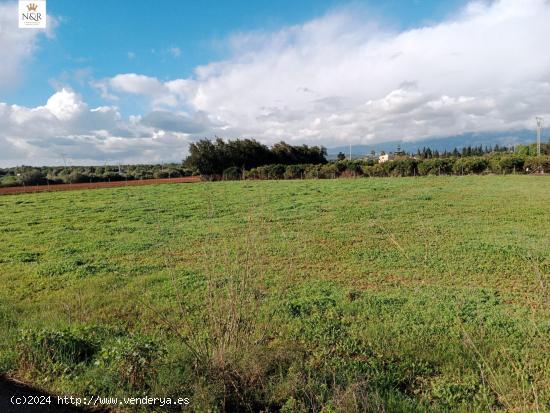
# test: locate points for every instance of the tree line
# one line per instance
(466, 151)
(214, 157)
(404, 166)
(30, 175)
(249, 159)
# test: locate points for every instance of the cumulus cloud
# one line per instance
(341, 78)
(179, 122)
(170, 94)
(132, 83)
(66, 127)
(17, 46)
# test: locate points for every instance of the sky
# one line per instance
(136, 82)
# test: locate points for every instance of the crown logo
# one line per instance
(32, 7)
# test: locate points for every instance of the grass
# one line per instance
(407, 294)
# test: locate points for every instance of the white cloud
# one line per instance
(139, 84)
(16, 45)
(161, 95)
(65, 105)
(66, 127)
(340, 78)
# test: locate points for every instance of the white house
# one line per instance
(386, 157)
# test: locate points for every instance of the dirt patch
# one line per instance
(95, 185)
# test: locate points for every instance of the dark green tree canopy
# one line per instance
(213, 157)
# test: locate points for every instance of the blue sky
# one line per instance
(169, 39)
(137, 81)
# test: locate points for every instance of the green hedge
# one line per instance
(494, 164)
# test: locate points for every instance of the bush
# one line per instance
(436, 166)
(131, 359)
(139, 174)
(44, 349)
(328, 171)
(401, 167)
(470, 165)
(232, 173)
(312, 171)
(76, 177)
(354, 167)
(294, 171)
(276, 171)
(9, 180)
(507, 164)
(167, 173)
(538, 164)
(375, 170)
(113, 176)
(33, 177)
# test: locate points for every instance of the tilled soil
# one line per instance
(94, 185)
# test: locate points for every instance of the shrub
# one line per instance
(139, 174)
(294, 171)
(75, 177)
(33, 177)
(252, 174)
(232, 173)
(436, 166)
(401, 167)
(354, 167)
(312, 171)
(375, 170)
(328, 171)
(10, 180)
(276, 171)
(113, 176)
(131, 359)
(42, 350)
(470, 165)
(538, 164)
(341, 166)
(507, 164)
(167, 173)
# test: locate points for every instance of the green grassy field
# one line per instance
(403, 294)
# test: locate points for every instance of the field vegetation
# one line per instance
(412, 294)
(248, 159)
(52, 175)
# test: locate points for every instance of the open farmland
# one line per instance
(405, 294)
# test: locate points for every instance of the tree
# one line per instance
(204, 157)
(33, 177)
(341, 156)
(212, 158)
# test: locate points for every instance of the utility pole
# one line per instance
(350, 151)
(539, 132)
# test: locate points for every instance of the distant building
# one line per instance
(386, 157)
